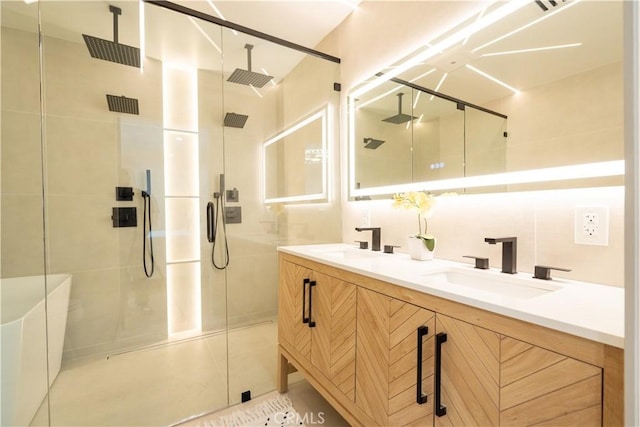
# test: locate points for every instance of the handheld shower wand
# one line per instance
(213, 220)
(146, 196)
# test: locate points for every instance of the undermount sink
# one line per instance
(347, 253)
(490, 282)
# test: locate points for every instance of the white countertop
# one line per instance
(587, 310)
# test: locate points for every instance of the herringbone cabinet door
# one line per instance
(333, 339)
(387, 360)
(291, 329)
(542, 388)
(470, 381)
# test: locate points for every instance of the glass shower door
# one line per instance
(275, 96)
(125, 161)
(23, 280)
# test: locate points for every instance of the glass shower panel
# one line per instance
(272, 88)
(136, 349)
(23, 280)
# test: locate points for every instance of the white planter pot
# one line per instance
(418, 250)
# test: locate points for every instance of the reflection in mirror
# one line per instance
(485, 142)
(438, 147)
(382, 149)
(295, 161)
(557, 75)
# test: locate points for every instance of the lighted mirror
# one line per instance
(542, 87)
(295, 161)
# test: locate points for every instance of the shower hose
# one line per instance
(147, 215)
(215, 217)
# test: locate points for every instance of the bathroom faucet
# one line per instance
(509, 252)
(375, 238)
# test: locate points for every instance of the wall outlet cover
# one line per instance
(592, 225)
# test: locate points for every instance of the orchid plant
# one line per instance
(423, 203)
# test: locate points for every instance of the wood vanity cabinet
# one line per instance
(488, 379)
(394, 345)
(360, 349)
(317, 319)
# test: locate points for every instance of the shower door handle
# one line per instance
(305, 319)
(210, 224)
(312, 284)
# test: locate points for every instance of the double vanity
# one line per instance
(391, 341)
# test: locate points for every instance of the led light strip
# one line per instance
(205, 35)
(511, 7)
(493, 79)
(442, 79)
(517, 30)
(560, 173)
(534, 49)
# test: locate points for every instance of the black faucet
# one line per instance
(375, 238)
(509, 252)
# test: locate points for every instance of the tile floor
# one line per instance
(165, 384)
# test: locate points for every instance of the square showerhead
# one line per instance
(252, 78)
(399, 119)
(234, 120)
(248, 77)
(372, 143)
(112, 51)
(122, 104)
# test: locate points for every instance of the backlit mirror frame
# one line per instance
(324, 115)
(580, 171)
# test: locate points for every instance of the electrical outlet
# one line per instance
(592, 225)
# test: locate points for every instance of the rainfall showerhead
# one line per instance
(400, 117)
(248, 77)
(113, 51)
(122, 104)
(234, 120)
(372, 143)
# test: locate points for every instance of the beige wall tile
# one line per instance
(20, 81)
(21, 153)
(22, 247)
(80, 233)
(82, 156)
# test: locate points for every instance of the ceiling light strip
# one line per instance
(415, 103)
(444, 77)
(267, 73)
(217, 11)
(493, 79)
(534, 49)
(205, 35)
(446, 43)
(517, 30)
(480, 15)
(372, 100)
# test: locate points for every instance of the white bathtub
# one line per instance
(24, 343)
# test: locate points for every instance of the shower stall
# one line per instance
(133, 163)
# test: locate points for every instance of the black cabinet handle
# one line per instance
(312, 284)
(305, 319)
(440, 339)
(420, 397)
